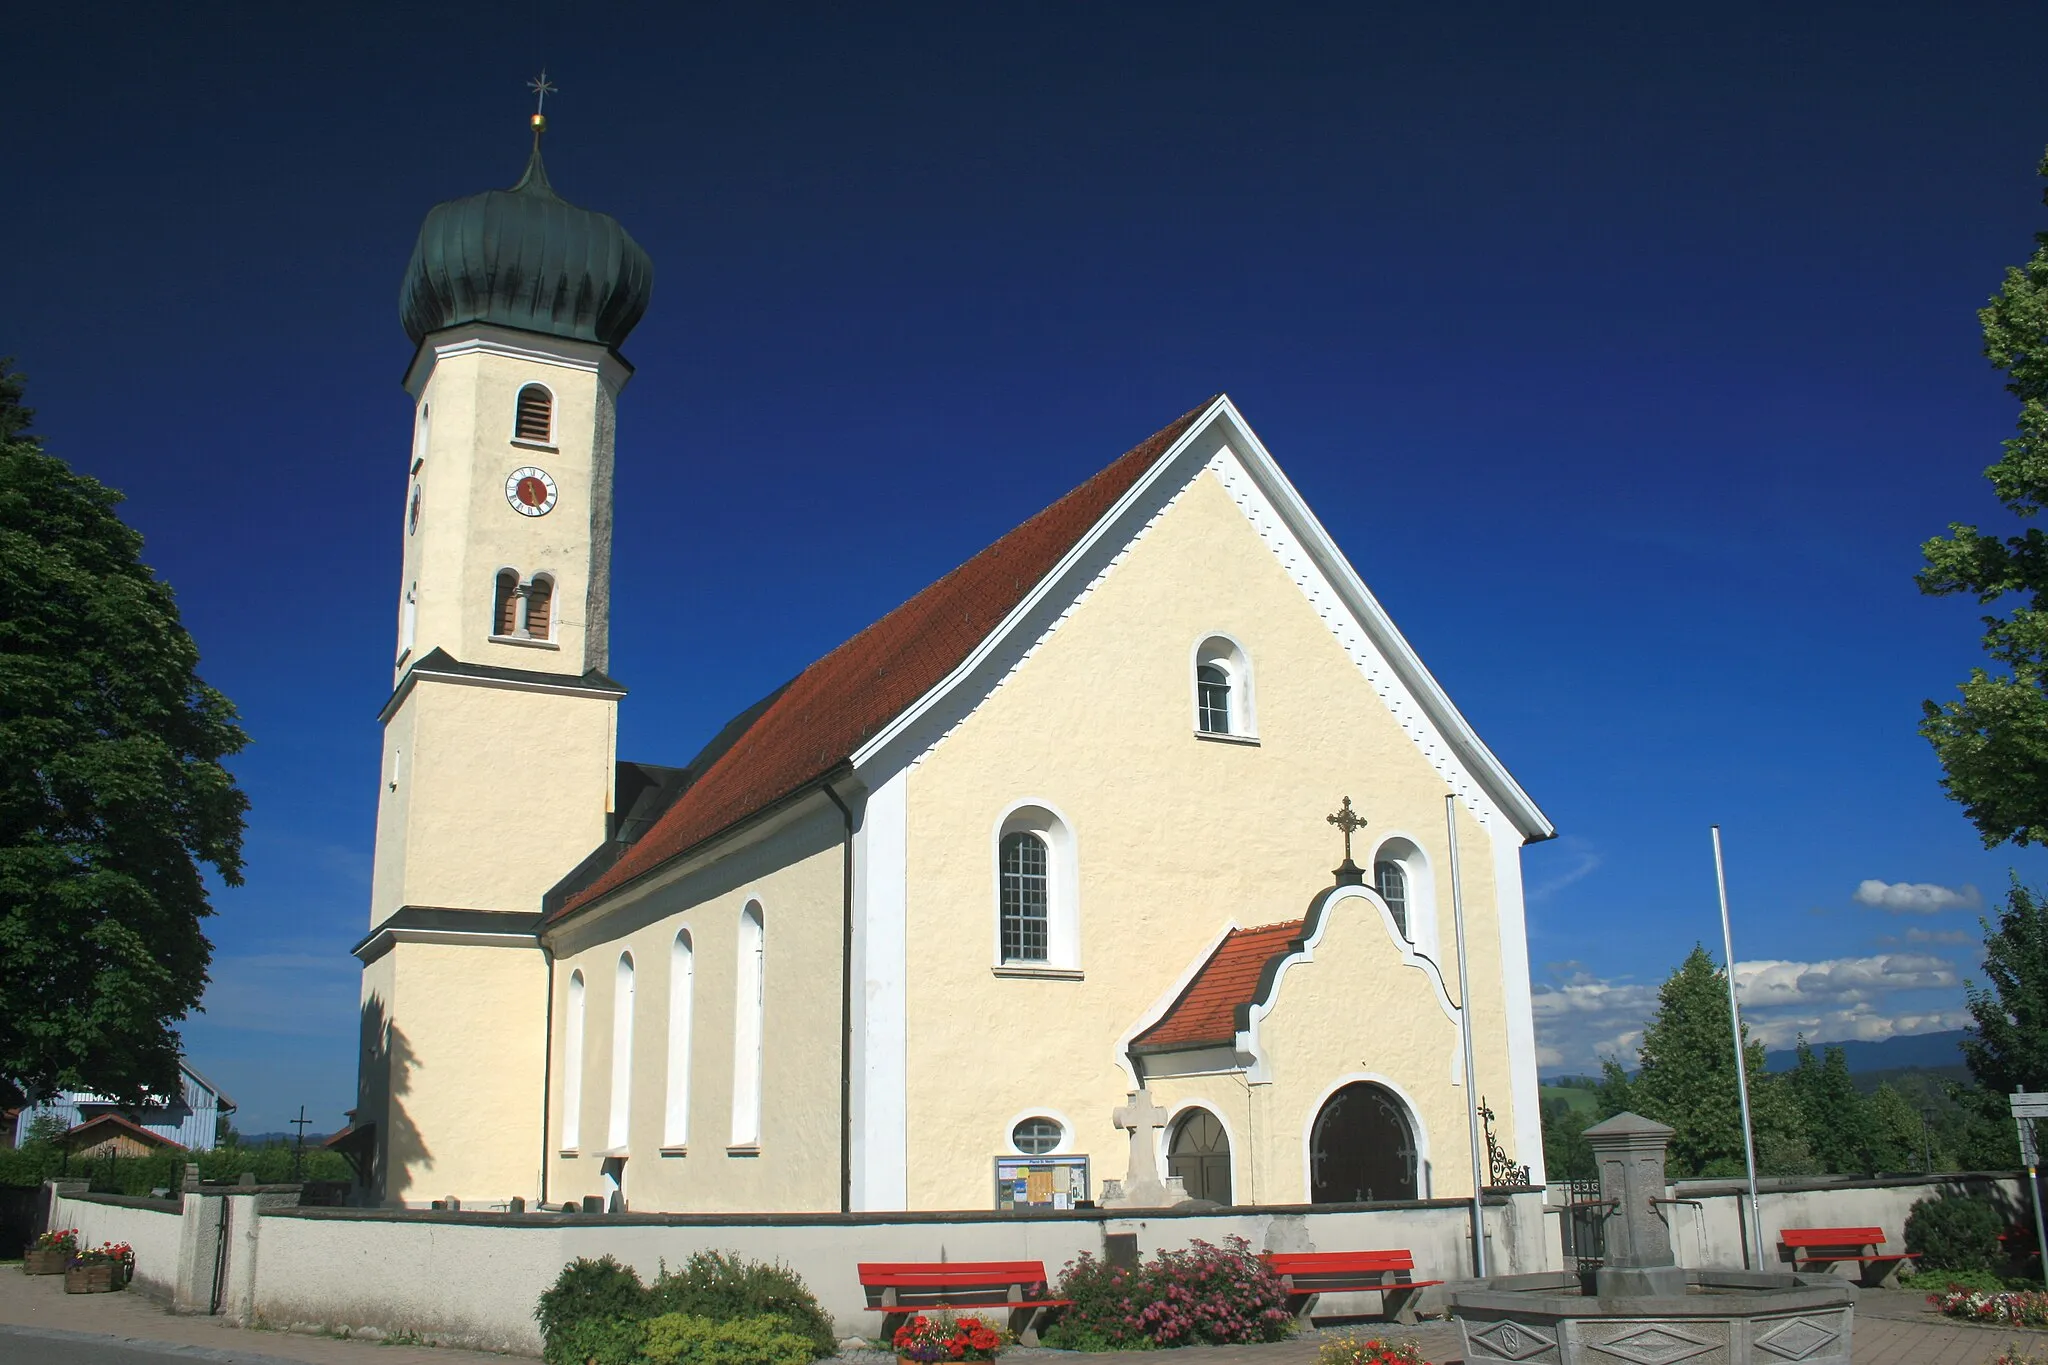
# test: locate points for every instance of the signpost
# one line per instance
(2027, 1107)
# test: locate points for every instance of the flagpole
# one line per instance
(1465, 1028)
(1756, 1230)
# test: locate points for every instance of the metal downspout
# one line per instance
(547, 1069)
(845, 1010)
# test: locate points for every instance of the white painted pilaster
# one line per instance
(881, 1159)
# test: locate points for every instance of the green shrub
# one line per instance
(727, 1288)
(1981, 1281)
(1201, 1296)
(597, 1341)
(760, 1339)
(601, 1292)
(1955, 1232)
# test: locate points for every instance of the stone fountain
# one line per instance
(1641, 1307)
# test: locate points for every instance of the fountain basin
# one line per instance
(1725, 1317)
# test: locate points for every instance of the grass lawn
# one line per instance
(1580, 1100)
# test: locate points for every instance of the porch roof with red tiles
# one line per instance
(1207, 1012)
(851, 694)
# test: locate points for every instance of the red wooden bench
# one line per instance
(1832, 1246)
(1391, 1274)
(896, 1289)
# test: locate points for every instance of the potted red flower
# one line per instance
(99, 1270)
(928, 1340)
(51, 1253)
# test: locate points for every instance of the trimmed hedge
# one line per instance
(718, 1309)
(29, 1166)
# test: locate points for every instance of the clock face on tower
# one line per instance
(531, 492)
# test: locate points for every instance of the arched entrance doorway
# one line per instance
(1199, 1153)
(1362, 1147)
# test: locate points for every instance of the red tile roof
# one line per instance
(1207, 1013)
(85, 1134)
(845, 698)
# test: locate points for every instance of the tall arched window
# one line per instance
(572, 1066)
(1391, 879)
(622, 1055)
(540, 607)
(505, 604)
(682, 971)
(1025, 891)
(536, 418)
(1223, 689)
(750, 1004)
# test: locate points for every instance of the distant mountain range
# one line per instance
(1891, 1054)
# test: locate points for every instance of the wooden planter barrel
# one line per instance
(93, 1277)
(47, 1261)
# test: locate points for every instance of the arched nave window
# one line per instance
(1025, 878)
(622, 1055)
(1038, 922)
(1223, 689)
(536, 415)
(572, 1066)
(682, 973)
(1391, 880)
(750, 1005)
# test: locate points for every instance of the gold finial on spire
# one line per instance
(541, 88)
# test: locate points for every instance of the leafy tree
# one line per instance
(1566, 1153)
(112, 791)
(1993, 743)
(1900, 1135)
(1833, 1115)
(2008, 1049)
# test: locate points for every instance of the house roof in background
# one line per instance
(104, 1126)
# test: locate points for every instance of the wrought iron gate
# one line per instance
(1584, 1225)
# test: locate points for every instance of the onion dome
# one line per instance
(525, 258)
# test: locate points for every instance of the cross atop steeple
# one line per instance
(541, 87)
(1350, 822)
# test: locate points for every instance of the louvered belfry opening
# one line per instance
(536, 419)
(505, 609)
(540, 602)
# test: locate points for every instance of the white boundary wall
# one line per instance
(151, 1226)
(1716, 1233)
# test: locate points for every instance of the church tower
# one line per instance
(500, 732)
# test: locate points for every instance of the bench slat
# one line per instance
(1324, 1262)
(1832, 1237)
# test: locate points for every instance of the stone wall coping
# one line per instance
(551, 1219)
(1717, 1185)
(125, 1201)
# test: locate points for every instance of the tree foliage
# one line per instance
(1993, 742)
(112, 792)
(2008, 1048)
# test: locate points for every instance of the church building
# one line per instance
(1033, 870)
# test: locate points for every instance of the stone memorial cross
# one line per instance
(1142, 1188)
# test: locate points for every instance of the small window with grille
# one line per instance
(536, 415)
(1037, 1136)
(1024, 897)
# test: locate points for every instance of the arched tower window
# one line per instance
(572, 1066)
(536, 415)
(682, 972)
(750, 1005)
(540, 607)
(1026, 884)
(622, 1055)
(505, 604)
(1223, 689)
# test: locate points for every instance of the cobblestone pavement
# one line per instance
(40, 1322)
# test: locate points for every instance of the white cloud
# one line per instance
(1916, 898)
(1763, 984)
(1585, 861)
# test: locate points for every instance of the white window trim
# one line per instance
(750, 1030)
(1422, 914)
(1035, 815)
(682, 991)
(1064, 1147)
(619, 1125)
(1225, 651)
(572, 1065)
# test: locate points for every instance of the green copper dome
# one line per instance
(526, 258)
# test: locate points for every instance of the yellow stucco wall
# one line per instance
(457, 1047)
(1177, 836)
(796, 876)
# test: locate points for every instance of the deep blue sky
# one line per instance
(1629, 353)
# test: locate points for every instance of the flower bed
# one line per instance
(1352, 1349)
(2012, 1308)
(1203, 1296)
(929, 1340)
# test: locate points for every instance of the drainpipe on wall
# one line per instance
(845, 1010)
(547, 1069)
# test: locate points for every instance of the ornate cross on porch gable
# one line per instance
(1350, 822)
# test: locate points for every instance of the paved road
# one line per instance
(47, 1347)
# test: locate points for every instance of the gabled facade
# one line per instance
(191, 1119)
